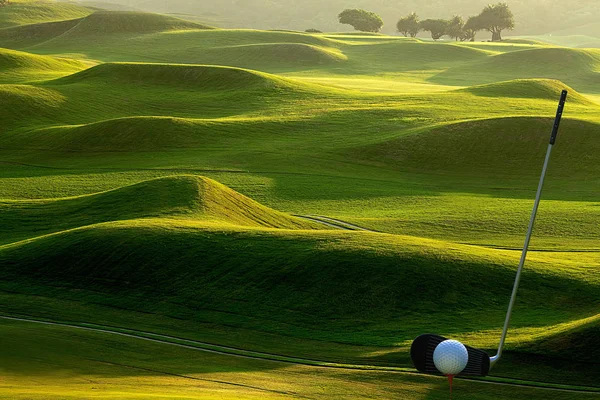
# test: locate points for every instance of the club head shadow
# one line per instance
(421, 353)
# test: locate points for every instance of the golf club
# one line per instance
(458, 359)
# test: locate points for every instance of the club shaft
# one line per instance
(513, 297)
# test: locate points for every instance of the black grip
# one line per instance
(561, 106)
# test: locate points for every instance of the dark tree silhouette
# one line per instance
(495, 18)
(361, 20)
(437, 27)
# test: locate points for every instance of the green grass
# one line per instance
(66, 363)
(22, 12)
(112, 213)
(183, 197)
(17, 67)
(578, 67)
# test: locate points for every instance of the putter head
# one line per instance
(421, 353)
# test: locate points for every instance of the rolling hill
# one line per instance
(24, 12)
(16, 66)
(575, 67)
(118, 126)
(196, 198)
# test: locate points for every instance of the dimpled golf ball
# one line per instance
(450, 357)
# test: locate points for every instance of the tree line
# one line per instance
(494, 18)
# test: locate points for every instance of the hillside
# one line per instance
(159, 177)
(16, 66)
(503, 146)
(577, 67)
(527, 89)
(23, 12)
(330, 286)
(195, 198)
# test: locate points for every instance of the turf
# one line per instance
(144, 158)
(23, 12)
(82, 362)
(18, 67)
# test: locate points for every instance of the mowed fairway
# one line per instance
(157, 175)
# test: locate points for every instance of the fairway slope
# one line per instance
(21, 102)
(192, 197)
(127, 22)
(498, 147)
(579, 343)
(576, 67)
(22, 36)
(274, 55)
(357, 288)
(22, 12)
(547, 89)
(200, 77)
(405, 55)
(16, 66)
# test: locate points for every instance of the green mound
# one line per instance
(410, 54)
(359, 288)
(32, 34)
(494, 148)
(22, 12)
(576, 67)
(527, 88)
(195, 198)
(16, 66)
(579, 342)
(523, 41)
(273, 55)
(127, 22)
(204, 77)
(135, 134)
(24, 103)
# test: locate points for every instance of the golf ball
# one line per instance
(450, 357)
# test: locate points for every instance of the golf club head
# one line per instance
(421, 353)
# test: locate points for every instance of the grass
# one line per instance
(182, 196)
(19, 67)
(22, 12)
(85, 362)
(113, 213)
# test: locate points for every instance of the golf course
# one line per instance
(192, 212)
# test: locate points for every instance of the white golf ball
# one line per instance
(450, 357)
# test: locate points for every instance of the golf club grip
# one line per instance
(561, 106)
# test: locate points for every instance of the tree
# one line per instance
(437, 27)
(409, 25)
(361, 20)
(496, 18)
(471, 28)
(455, 28)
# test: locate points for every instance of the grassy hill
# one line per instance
(118, 22)
(503, 146)
(372, 287)
(23, 12)
(195, 198)
(573, 66)
(16, 66)
(112, 214)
